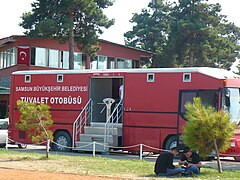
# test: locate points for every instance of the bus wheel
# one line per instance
(22, 146)
(61, 140)
(171, 142)
(237, 158)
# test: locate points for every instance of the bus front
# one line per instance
(231, 102)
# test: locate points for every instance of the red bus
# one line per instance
(86, 106)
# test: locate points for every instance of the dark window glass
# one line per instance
(33, 54)
(187, 97)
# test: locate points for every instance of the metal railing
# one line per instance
(113, 119)
(82, 120)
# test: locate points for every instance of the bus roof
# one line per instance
(212, 72)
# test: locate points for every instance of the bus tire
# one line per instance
(171, 142)
(22, 146)
(63, 139)
(237, 158)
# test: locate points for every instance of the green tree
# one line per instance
(150, 29)
(36, 121)
(194, 34)
(207, 129)
(78, 21)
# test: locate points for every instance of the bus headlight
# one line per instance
(232, 144)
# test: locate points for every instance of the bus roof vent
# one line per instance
(27, 78)
(187, 77)
(60, 78)
(150, 77)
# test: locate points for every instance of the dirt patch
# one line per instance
(16, 174)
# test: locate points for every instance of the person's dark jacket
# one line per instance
(164, 162)
(194, 158)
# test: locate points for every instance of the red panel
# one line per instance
(72, 94)
(150, 120)
(163, 94)
(66, 98)
(62, 120)
(232, 83)
(148, 136)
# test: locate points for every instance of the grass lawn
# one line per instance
(96, 166)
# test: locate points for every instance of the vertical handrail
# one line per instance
(82, 120)
(116, 115)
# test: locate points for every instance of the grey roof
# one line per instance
(212, 72)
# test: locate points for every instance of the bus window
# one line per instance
(230, 103)
(187, 96)
(209, 98)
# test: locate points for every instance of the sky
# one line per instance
(121, 11)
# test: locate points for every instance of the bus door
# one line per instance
(102, 88)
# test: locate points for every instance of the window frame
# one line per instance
(197, 91)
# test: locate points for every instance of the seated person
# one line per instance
(191, 161)
(164, 164)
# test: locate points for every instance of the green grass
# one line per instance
(97, 166)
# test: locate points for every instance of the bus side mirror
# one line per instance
(227, 101)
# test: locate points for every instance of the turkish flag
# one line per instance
(23, 55)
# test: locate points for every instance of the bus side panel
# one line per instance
(149, 136)
(149, 129)
(66, 99)
(157, 103)
(157, 120)
(45, 89)
(157, 96)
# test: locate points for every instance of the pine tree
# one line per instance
(187, 33)
(207, 129)
(36, 120)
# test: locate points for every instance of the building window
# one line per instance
(13, 56)
(102, 62)
(41, 57)
(99, 62)
(80, 61)
(8, 58)
(128, 64)
(135, 64)
(53, 58)
(77, 61)
(4, 59)
(120, 63)
(111, 63)
(33, 55)
(64, 59)
(1, 60)
(123, 63)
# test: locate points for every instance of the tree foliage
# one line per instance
(187, 33)
(204, 125)
(74, 20)
(32, 120)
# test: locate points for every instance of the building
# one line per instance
(22, 53)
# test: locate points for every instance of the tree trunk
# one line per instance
(71, 43)
(47, 147)
(191, 59)
(218, 160)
